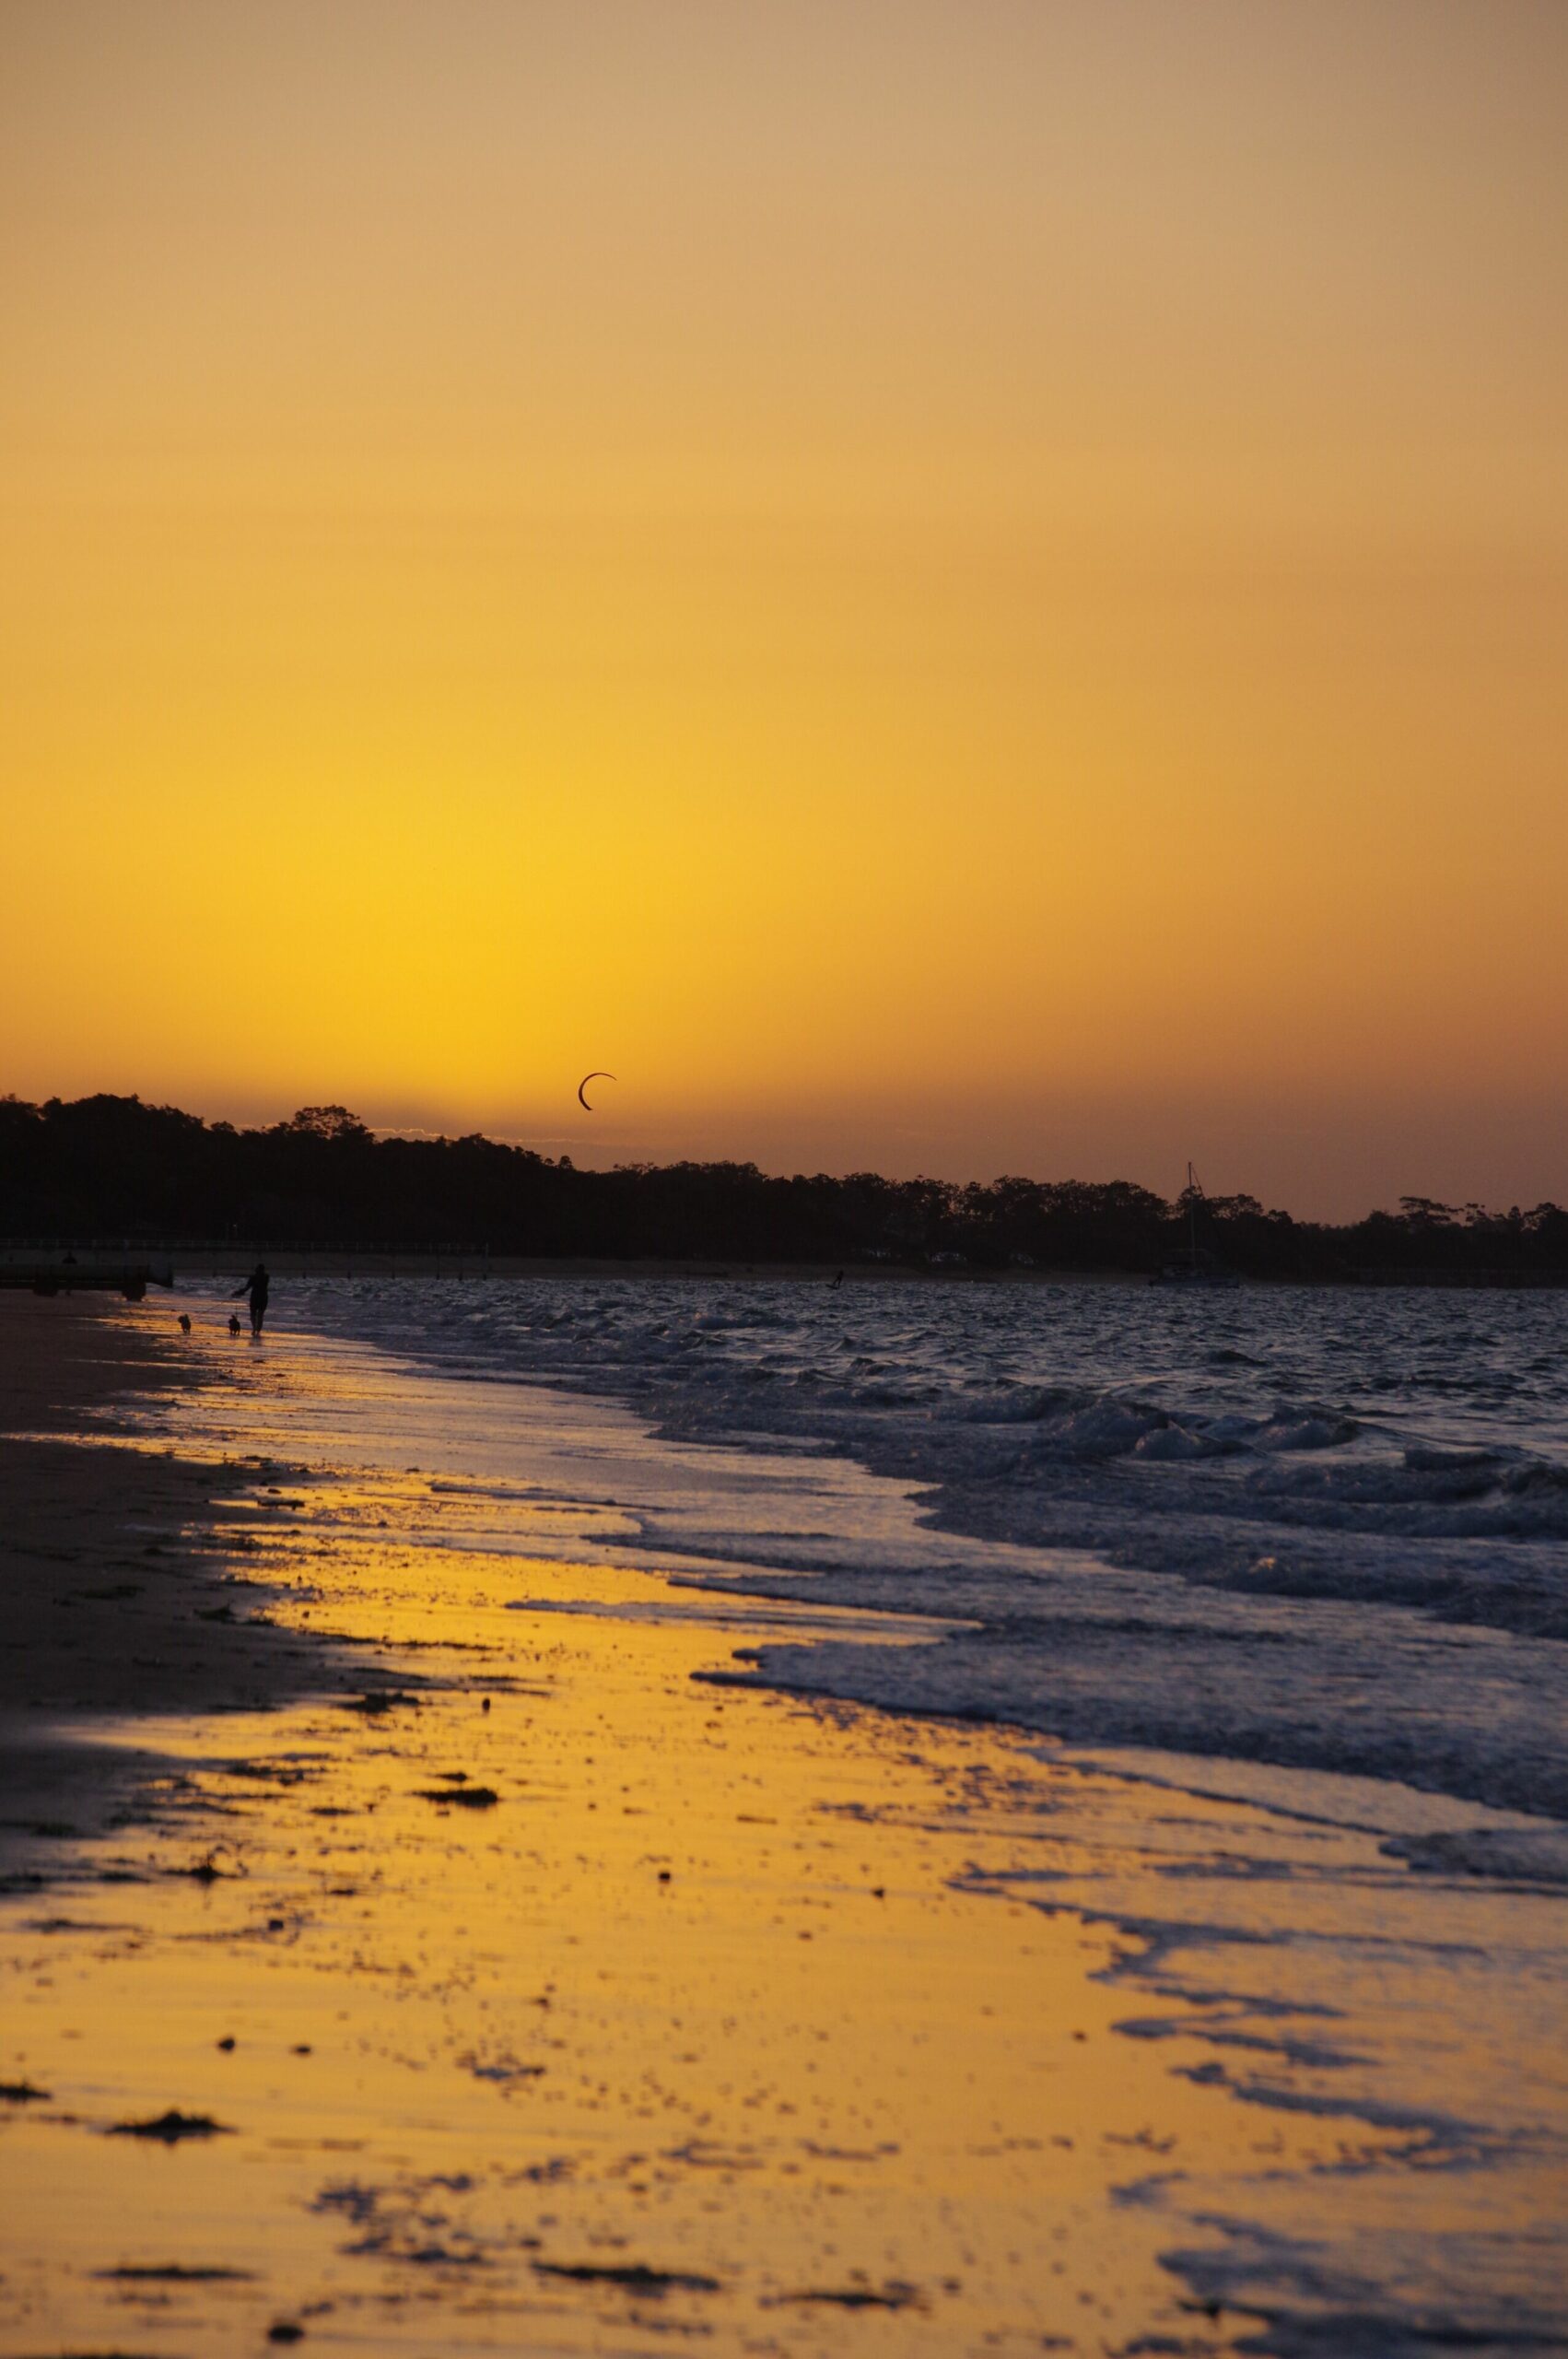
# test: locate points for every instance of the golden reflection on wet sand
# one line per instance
(542, 1999)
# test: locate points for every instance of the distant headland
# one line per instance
(104, 1170)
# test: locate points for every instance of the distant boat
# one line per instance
(1200, 1266)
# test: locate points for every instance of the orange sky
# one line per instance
(964, 587)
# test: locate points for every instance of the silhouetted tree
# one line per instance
(106, 1166)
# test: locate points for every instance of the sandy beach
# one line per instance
(438, 1949)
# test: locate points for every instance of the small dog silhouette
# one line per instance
(233, 1324)
(184, 1322)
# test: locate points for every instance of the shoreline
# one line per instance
(719, 2048)
(584, 1993)
(1168, 1462)
(300, 1262)
(286, 1262)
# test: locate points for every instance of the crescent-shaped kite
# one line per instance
(582, 1085)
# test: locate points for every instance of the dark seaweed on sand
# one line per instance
(170, 2127)
(174, 2272)
(467, 1797)
(20, 2093)
(208, 1871)
(635, 2278)
(895, 2295)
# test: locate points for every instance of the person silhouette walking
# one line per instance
(256, 1286)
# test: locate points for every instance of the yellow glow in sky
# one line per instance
(951, 587)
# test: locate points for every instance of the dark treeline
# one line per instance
(110, 1169)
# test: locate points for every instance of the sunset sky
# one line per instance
(965, 588)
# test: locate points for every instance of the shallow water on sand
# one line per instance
(1323, 1529)
(737, 2017)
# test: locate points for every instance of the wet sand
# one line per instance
(116, 1566)
(520, 1988)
